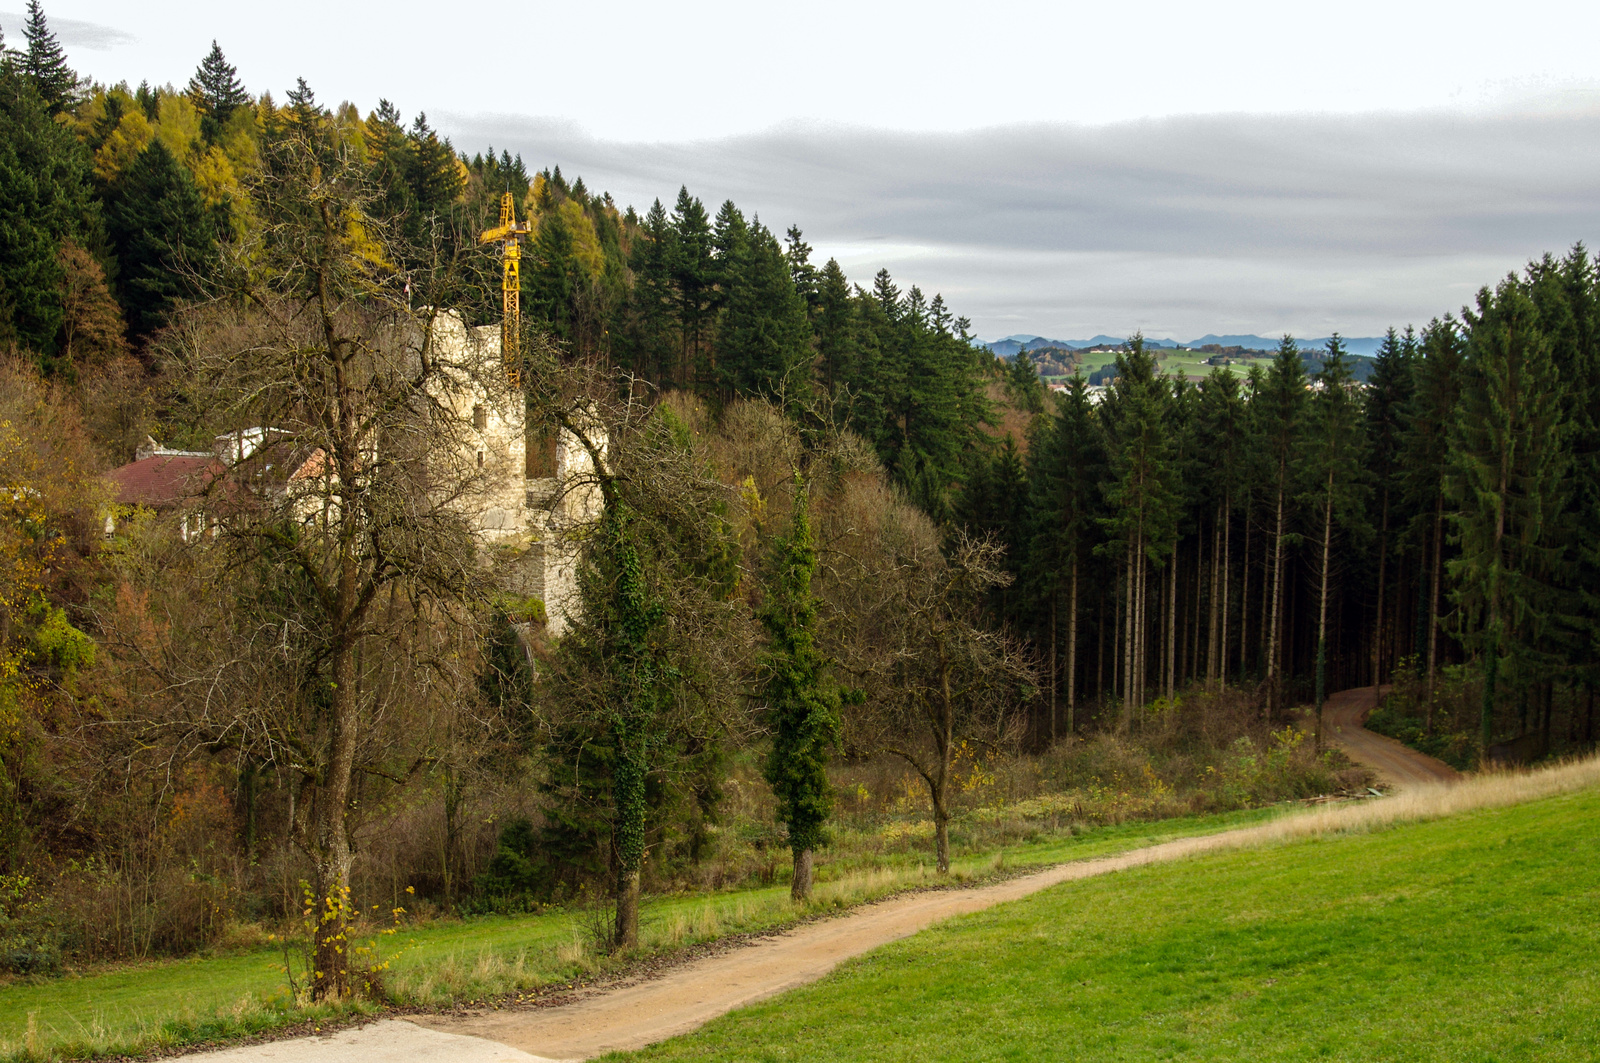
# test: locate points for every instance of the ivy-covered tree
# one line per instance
(802, 700)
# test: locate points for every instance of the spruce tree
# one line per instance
(649, 343)
(431, 172)
(552, 280)
(45, 198)
(1510, 456)
(763, 344)
(45, 63)
(1388, 397)
(1278, 415)
(163, 234)
(1221, 446)
(1429, 416)
(798, 254)
(835, 325)
(1334, 458)
(693, 274)
(801, 697)
(217, 92)
(1065, 465)
(1140, 497)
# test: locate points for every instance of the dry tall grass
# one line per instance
(1419, 803)
(1416, 805)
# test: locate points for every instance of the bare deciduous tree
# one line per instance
(344, 553)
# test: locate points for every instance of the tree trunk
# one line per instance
(1127, 642)
(629, 813)
(1172, 627)
(1054, 608)
(1433, 606)
(1244, 601)
(1072, 655)
(329, 846)
(1222, 637)
(800, 884)
(1322, 609)
(1273, 649)
(627, 929)
(1100, 654)
(1383, 561)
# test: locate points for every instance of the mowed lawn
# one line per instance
(1470, 938)
(161, 1006)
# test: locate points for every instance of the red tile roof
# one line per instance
(164, 479)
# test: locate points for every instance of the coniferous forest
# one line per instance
(852, 574)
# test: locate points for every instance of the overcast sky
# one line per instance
(1063, 168)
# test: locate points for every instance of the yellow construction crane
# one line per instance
(508, 234)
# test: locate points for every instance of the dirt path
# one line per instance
(1400, 766)
(640, 1013)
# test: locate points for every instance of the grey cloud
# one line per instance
(72, 33)
(1184, 225)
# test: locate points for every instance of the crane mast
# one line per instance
(508, 234)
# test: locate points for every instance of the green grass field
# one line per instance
(1470, 938)
(135, 1009)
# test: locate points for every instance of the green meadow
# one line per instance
(1473, 937)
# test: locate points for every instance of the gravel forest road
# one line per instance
(1343, 717)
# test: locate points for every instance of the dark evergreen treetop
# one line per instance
(431, 168)
(45, 63)
(45, 197)
(216, 89)
(164, 237)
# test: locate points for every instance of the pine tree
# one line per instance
(163, 234)
(303, 106)
(45, 63)
(1023, 384)
(801, 697)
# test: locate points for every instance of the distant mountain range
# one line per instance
(1010, 345)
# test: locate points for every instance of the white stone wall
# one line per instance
(538, 519)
